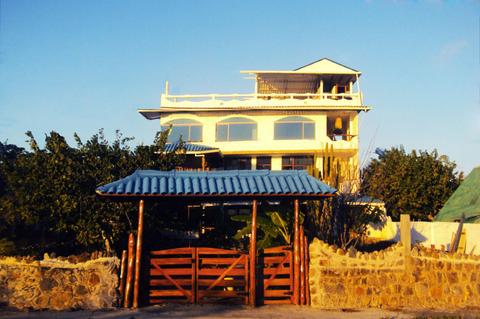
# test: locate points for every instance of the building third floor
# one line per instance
(321, 85)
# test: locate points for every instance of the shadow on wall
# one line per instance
(428, 233)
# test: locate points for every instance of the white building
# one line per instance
(301, 119)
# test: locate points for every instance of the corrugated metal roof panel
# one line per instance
(191, 148)
(212, 183)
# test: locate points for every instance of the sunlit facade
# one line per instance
(298, 119)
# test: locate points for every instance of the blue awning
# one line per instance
(191, 148)
(233, 183)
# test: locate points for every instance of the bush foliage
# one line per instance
(418, 183)
(47, 195)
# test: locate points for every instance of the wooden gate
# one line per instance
(222, 276)
(198, 275)
(276, 275)
(172, 275)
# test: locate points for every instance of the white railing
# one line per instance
(255, 96)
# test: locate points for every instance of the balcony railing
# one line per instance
(341, 137)
(258, 96)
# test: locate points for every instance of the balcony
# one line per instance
(212, 102)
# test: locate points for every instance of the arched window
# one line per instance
(236, 129)
(189, 130)
(294, 128)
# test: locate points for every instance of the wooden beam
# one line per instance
(253, 255)
(138, 255)
(405, 233)
(296, 255)
(307, 272)
(131, 258)
(302, 267)
(123, 270)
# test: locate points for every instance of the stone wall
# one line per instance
(388, 279)
(58, 284)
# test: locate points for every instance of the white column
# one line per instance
(276, 163)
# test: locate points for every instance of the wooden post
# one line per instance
(302, 267)
(131, 257)
(296, 255)
(405, 235)
(138, 255)
(307, 272)
(253, 255)
(123, 266)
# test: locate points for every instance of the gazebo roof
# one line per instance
(191, 148)
(214, 184)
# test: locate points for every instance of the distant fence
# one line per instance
(431, 233)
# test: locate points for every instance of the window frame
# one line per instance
(293, 166)
(264, 165)
(186, 123)
(228, 123)
(294, 120)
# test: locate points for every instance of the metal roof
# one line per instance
(232, 183)
(191, 148)
(322, 66)
(464, 201)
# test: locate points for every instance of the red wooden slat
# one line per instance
(166, 293)
(220, 261)
(163, 300)
(277, 249)
(277, 301)
(209, 251)
(174, 251)
(171, 271)
(220, 293)
(218, 272)
(277, 282)
(166, 282)
(171, 261)
(223, 283)
(282, 271)
(277, 293)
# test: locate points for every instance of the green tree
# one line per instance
(48, 200)
(417, 183)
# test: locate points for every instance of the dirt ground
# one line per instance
(229, 311)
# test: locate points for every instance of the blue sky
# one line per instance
(77, 66)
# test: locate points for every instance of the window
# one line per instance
(338, 127)
(296, 162)
(294, 128)
(264, 162)
(236, 129)
(237, 163)
(188, 130)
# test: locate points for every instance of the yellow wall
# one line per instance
(266, 145)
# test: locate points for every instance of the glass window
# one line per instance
(237, 163)
(264, 162)
(294, 128)
(236, 129)
(188, 130)
(296, 162)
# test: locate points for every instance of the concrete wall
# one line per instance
(430, 233)
(388, 279)
(58, 284)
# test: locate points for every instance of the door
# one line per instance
(276, 275)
